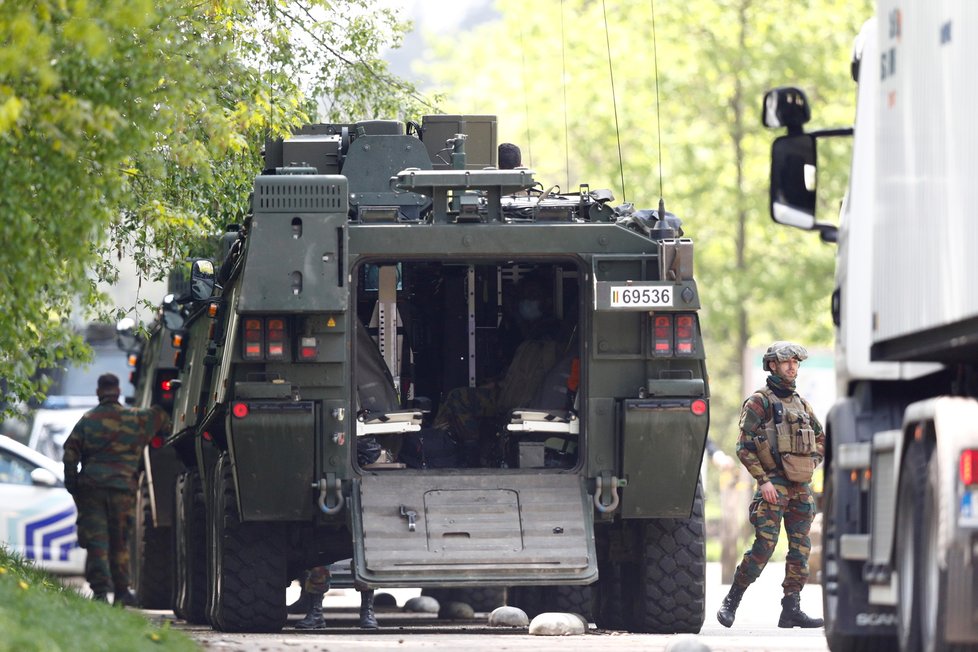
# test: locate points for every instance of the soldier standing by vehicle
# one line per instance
(781, 442)
(107, 442)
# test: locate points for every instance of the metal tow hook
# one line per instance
(323, 485)
(411, 517)
(598, 504)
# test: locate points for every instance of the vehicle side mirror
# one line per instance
(793, 177)
(43, 478)
(786, 106)
(125, 335)
(173, 317)
(202, 280)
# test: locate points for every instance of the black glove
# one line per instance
(71, 483)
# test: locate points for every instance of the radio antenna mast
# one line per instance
(614, 100)
(658, 126)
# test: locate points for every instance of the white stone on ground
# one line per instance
(557, 624)
(508, 617)
(687, 643)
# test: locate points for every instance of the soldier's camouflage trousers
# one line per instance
(105, 518)
(317, 581)
(796, 506)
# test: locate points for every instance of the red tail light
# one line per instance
(698, 407)
(685, 334)
(968, 467)
(156, 442)
(662, 335)
(275, 338)
(309, 348)
(254, 333)
(240, 410)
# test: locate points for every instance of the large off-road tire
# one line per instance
(667, 595)
(841, 584)
(190, 553)
(150, 555)
(909, 544)
(481, 599)
(247, 564)
(934, 605)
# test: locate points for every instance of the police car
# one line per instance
(37, 514)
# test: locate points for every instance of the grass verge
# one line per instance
(37, 612)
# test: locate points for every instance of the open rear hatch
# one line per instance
(450, 529)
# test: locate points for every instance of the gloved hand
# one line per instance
(71, 483)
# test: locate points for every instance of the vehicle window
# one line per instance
(14, 470)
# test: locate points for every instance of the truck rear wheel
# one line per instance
(933, 606)
(150, 555)
(190, 554)
(246, 564)
(909, 544)
(668, 593)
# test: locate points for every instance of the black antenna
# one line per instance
(526, 99)
(563, 85)
(658, 127)
(614, 100)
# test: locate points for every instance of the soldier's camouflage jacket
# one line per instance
(108, 441)
(756, 419)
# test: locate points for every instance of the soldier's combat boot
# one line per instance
(367, 618)
(728, 609)
(793, 616)
(314, 616)
(100, 597)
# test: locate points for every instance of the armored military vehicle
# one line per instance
(153, 374)
(378, 276)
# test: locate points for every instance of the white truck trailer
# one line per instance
(901, 503)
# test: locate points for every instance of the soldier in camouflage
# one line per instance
(106, 443)
(314, 589)
(781, 442)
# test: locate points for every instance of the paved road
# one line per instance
(755, 630)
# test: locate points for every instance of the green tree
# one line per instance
(715, 59)
(135, 127)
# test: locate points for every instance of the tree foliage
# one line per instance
(550, 83)
(134, 127)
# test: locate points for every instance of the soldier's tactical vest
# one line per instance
(790, 436)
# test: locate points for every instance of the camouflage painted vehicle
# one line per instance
(379, 263)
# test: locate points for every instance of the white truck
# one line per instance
(901, 489)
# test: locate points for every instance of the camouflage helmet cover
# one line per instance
(782, 351)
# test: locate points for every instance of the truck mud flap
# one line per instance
(437, 530)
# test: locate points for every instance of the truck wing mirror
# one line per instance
(793, 168)
(786, 106)
(173, 317)
(202, 280)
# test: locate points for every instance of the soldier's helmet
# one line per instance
(782, 351)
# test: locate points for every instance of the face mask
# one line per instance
(530, 310)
